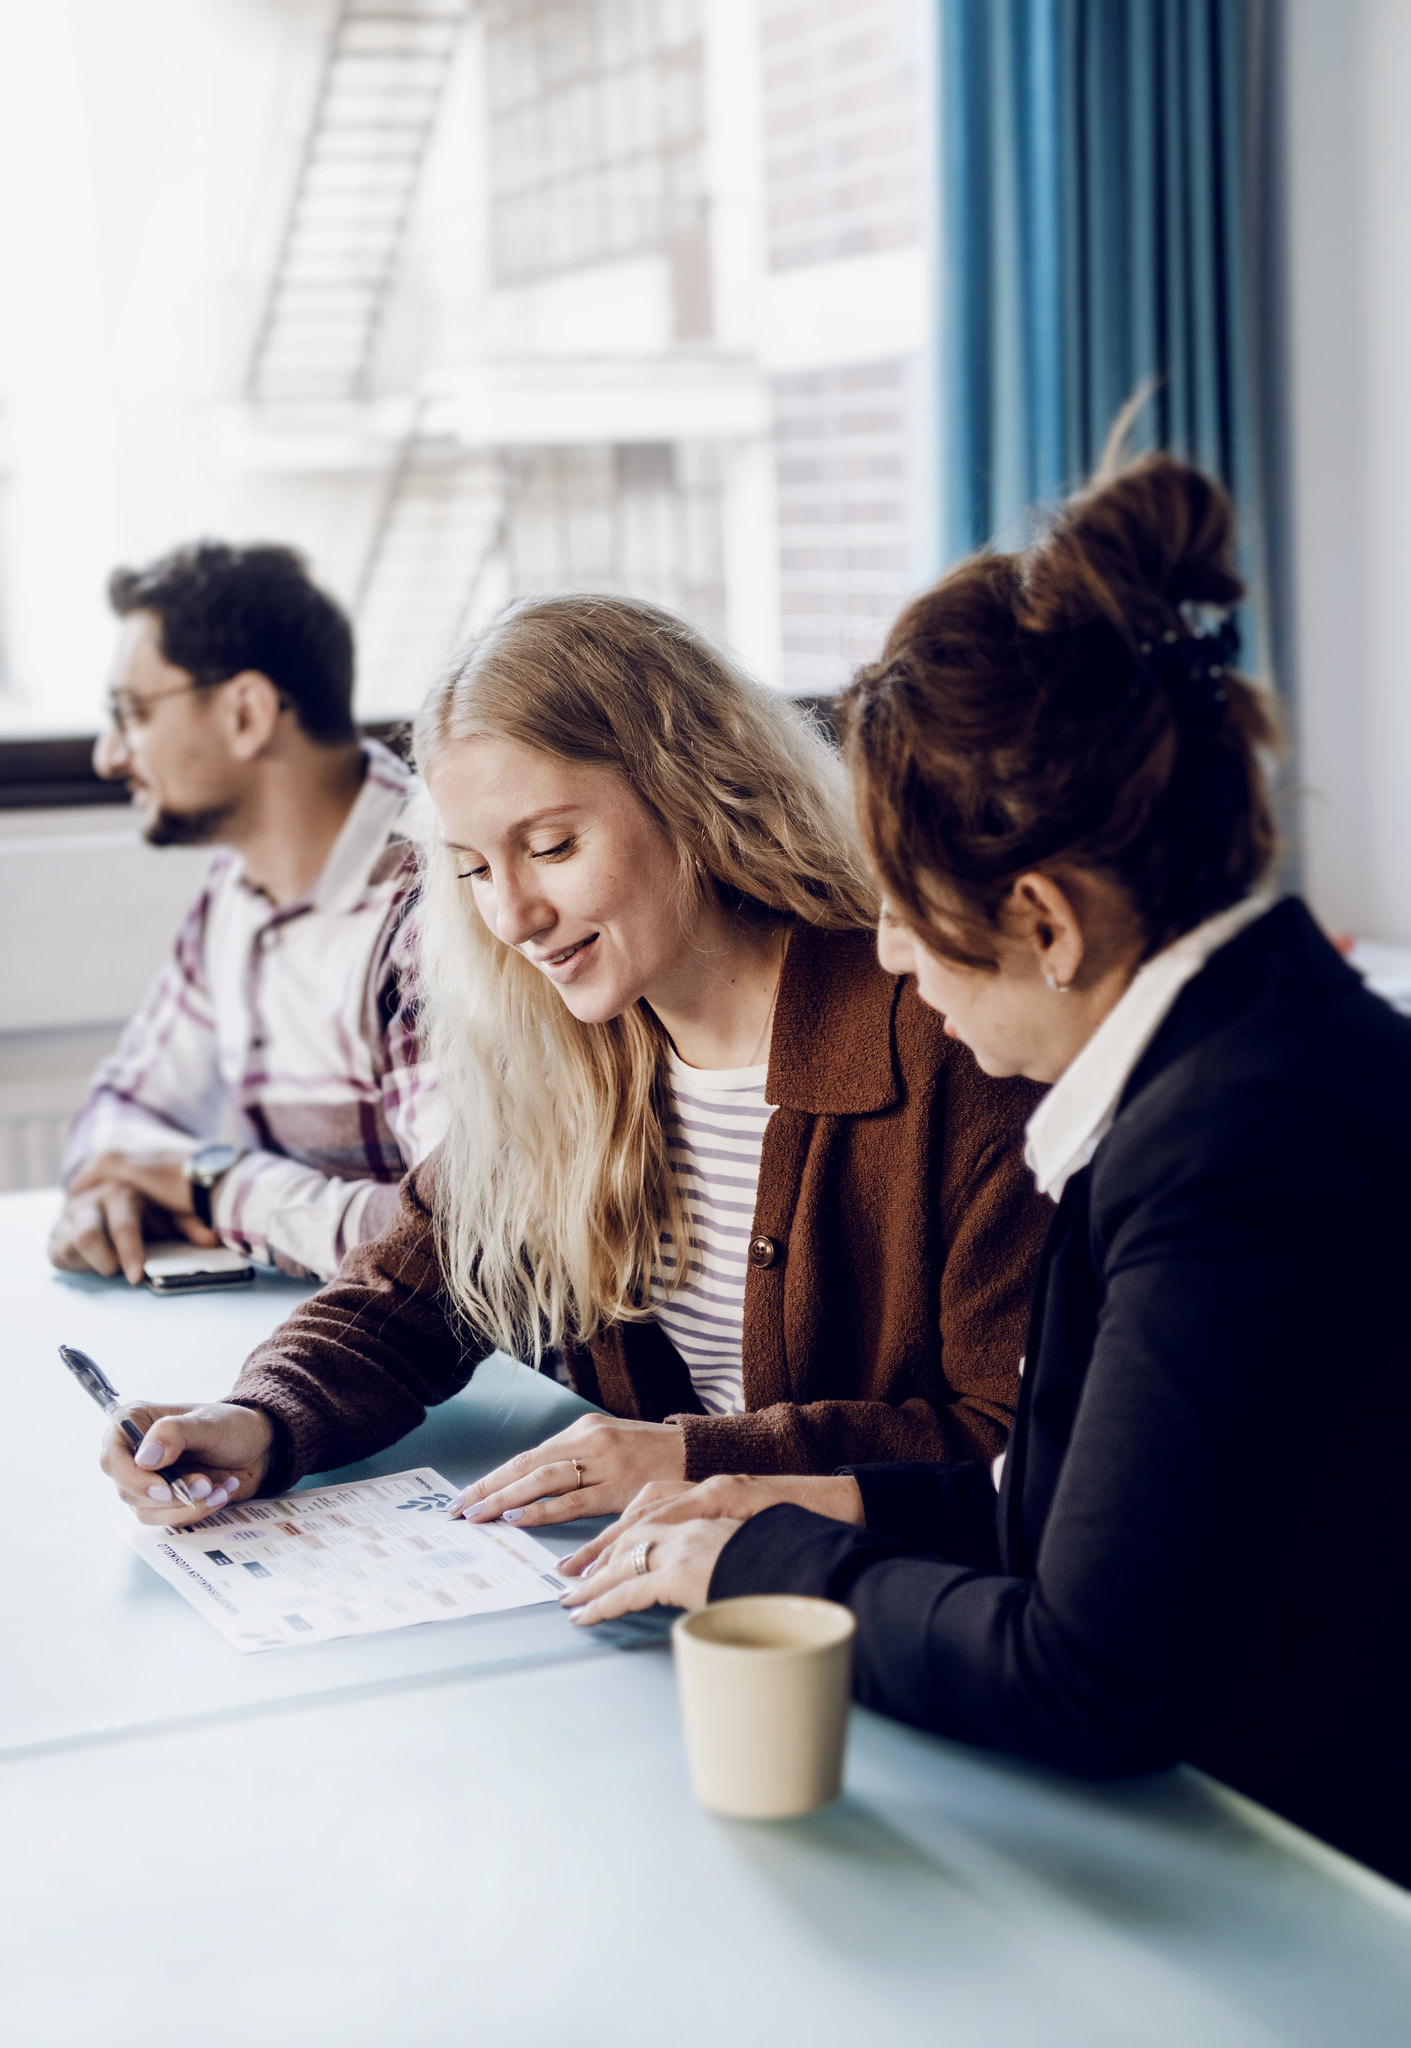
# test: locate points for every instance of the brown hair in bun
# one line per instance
(1062, 706)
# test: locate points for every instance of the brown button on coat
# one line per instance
(895, 1235)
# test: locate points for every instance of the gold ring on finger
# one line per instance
(578, 1472)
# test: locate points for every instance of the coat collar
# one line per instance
(1284, 956)
(833, 1049)
(1070, 1123)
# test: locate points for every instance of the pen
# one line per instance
(92, 1378)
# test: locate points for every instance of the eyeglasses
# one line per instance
(126, 712)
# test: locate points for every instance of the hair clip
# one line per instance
(1191, 669)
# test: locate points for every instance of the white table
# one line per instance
(483, 1828)
(120, 1651)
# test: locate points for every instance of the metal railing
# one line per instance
(381, 87)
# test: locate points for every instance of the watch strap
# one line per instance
(204, 1174)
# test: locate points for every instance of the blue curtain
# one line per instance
(1105, 223)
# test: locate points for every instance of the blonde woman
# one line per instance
(702, 1148)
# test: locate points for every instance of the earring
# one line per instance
(1060, 988)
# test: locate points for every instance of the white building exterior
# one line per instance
(468, 300)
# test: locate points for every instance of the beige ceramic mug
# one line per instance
(764, 1684)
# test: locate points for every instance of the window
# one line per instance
(596, 121)
(469, 302)
(644, 516)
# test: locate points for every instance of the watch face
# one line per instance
(210, 1162)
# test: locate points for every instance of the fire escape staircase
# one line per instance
(383, 78)
(440, 519)
(429, 567)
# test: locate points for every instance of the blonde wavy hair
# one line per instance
(553, 1189)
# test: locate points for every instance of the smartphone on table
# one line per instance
(181, 1268)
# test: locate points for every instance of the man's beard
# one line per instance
(189, 828)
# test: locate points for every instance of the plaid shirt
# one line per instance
(289, 1029)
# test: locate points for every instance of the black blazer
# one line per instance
(1201, 1548)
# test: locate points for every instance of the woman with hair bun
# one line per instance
(1199, 1544)
(701, 1145)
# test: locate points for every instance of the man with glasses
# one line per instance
(269, 1094)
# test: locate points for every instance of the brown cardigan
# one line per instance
(896, 1231)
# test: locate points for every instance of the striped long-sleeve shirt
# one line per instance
(289, 1029)
(715, 1134)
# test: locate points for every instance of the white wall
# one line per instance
(89, 911)
(1349, 206)
(87, 914)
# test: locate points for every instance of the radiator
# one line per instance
(32, 1135)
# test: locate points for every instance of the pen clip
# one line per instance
(90, 1376)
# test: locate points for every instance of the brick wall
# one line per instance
(841, 116)
(840, 438)
(843, 180)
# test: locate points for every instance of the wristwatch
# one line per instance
(203, 1170)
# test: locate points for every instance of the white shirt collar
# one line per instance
(386, 790)
(1076, 1114)
(386, 801)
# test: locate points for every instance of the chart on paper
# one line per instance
(346, 1561)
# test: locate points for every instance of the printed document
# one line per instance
(346, 1561)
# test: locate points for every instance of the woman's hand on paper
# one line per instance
(595, 1467)
(224, 1452)
(678, 1559)
(731, 1496)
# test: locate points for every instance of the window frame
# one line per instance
(54, 771)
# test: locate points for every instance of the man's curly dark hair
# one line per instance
(223, 609)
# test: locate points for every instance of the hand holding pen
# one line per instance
(143, 1444)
